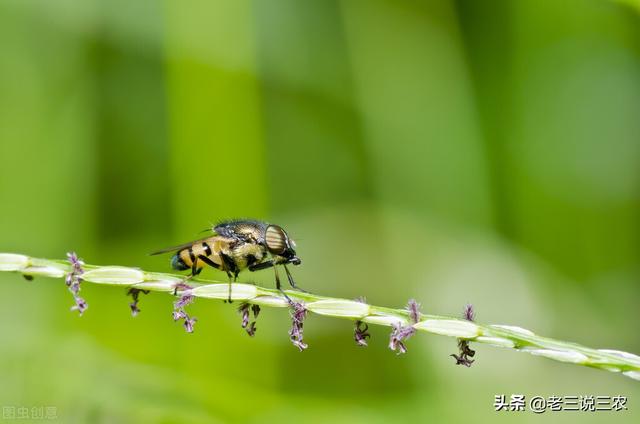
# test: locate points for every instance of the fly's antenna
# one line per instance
(209, 228)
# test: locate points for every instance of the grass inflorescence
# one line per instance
(405, 322)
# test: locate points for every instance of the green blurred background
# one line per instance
(451, 151)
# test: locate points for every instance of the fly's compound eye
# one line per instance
(276, 239)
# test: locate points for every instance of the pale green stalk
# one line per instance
(505, 336)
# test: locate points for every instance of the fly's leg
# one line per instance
(235, 278)
(232, 271)
(194, 271)
(291, 282)
(275, 270)
(261, 265)
(268, 264)
(231, 280)
(229, 264)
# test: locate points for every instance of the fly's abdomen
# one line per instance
(191, 257)
(177, 263)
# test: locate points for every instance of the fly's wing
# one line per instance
(180, 246)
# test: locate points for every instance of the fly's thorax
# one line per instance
(247, 254)
(272, 238)
(251, 231)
